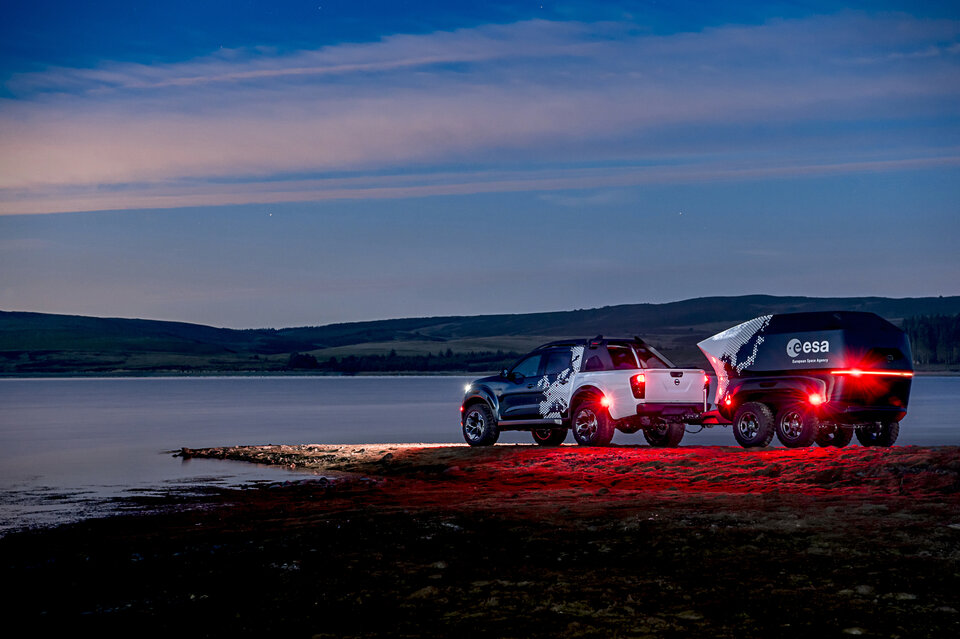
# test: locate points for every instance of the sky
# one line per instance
(261, 164)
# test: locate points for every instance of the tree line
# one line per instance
(472, 361)
(934, 339)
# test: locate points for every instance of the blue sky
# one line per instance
(246, 164)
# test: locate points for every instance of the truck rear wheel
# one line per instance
(797, 425)
(664, 434)
(480, 425)
(549, 436)
(753, 425)
(878, 434)
(834, 436)
(591, 424)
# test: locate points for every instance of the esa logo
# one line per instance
(795, 347)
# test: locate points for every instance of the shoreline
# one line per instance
(295, 374)
(518, 540)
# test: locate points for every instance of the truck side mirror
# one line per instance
(503, 372)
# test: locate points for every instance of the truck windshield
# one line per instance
(648, 359)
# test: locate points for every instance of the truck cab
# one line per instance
(591, 386)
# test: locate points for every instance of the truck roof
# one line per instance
(598, 340)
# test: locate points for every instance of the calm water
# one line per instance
(70, 447)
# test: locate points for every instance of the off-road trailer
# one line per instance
(811, 377)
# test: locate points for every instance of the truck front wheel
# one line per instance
(591, 424)
(878, 434)
(797, 426)
(480, 426)
(549, 436)
(753, 425)
(664, 434)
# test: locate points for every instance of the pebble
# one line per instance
(691, 615)
(854, 631)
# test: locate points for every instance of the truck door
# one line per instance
(521, 395)
(556, 382)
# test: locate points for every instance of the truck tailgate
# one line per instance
(674, 385)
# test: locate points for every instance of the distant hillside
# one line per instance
(44, 344)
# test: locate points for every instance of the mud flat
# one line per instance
(520, 541)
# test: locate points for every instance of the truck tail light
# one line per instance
(856, 372)
(638, 384)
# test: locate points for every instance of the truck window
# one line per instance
(649, 360)
(622, 357)
(558, 360)
(528, 367)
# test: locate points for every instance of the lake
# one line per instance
(69, 448)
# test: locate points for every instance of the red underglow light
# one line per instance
(461, 409)
(856, 372)
(816, 399)
(706, 380)
(728, 401)
(605, 401)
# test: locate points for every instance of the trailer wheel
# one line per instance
(664, 434)
(591, 424)
(480, 426)
(753, 425)
(549, 436)
(878, 434)
(797, 425)
(835, 436)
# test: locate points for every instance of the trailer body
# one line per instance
(845, 369)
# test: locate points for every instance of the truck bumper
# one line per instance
(671, 412)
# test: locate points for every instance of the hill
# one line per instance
(32, 343)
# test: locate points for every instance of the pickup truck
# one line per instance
(591, 386)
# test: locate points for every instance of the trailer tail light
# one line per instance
(856, 372)
(638, 384)
(815, 399)
(706, 381)
(728, 401)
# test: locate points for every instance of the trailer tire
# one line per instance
(549, 436)
(878, 434)
(665, 434)
(591, 424)
(753, 425)
(480, 425)
(838, 437)
(797, 425)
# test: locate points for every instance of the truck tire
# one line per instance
(591, 424)
(753, 425)
(549, 436)
(837, 436)
(878, 434)
(797, 426)
(480, 425)
(664, 435)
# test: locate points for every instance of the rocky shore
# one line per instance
(520, 541)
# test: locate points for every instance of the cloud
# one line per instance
(245, 126)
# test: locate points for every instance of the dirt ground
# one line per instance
(520, 541)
